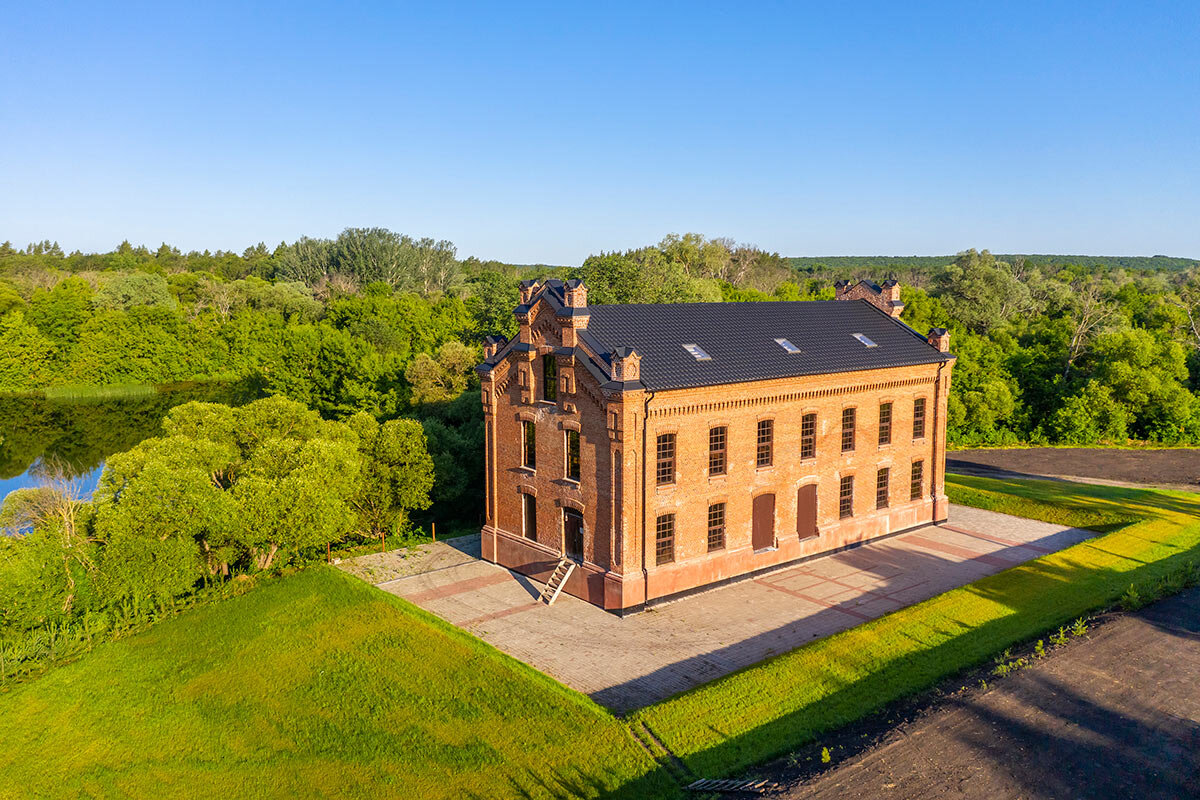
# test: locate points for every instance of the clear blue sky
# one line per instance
(542, 133)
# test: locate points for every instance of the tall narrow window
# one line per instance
(919, 418)
(572, 455)
(716, 527)
(808, 436)
(528, 444)
(918, 480)
(664, 539)
(717, 438)
(549, 377)
(665, 472)
(846, 497)
(848, 420)
(766, 442)
(882, 479)
(885, 423)
(530, 521)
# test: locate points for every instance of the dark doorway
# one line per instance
(806, 511)
(763, 535)
(573, 533)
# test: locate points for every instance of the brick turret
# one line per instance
(885, 298)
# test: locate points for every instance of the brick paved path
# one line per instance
(631, 662)
(1114, 717)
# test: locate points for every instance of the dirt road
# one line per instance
(1114, 717)
(1168, 469)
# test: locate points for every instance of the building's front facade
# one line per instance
(668, 448)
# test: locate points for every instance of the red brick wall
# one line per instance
(614, 573)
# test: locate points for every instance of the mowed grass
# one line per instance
(771, 708)
(313, 685)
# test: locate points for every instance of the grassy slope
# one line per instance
(773, 707)
(312, 685)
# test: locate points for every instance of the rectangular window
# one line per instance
(716, 451)
(572, 455)
(530, 521)
(846, 497)
(665, 473)
(550, 377)
(848, 420)
(529, 444)
(919, 418)
(882, 479)
(885, 423)
(664, 540)
(716, 527)
(918, 479)
(808, 436)
(766, 442)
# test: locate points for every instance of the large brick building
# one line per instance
(669, 447)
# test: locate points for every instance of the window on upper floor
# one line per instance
(528, 444)
(665, 451)
(550, 377)
(572, 448)
(919, 418)
(717, 441)
(885, 423)
(808, 436)
(849, 418)
(765, 453)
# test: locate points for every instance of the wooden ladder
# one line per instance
(558, 579)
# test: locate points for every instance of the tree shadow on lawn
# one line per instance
(1047, 593)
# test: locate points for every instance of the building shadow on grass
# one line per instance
(1042, 599)
(900, 576)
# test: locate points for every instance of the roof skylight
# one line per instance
(864, 340)
(786, 345)
(697, 352)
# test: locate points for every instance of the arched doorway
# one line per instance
(806, 511)
(573, 534)
(763, 530)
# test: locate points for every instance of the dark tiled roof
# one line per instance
(740, 338)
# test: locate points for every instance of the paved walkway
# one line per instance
(626, 663)
(1117, 716)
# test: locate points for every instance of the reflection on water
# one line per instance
(80, 434)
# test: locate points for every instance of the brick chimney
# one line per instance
(939, 338)
(576, 294)
(528, 290)
(886, 297)
(492, 345)
(626, 364)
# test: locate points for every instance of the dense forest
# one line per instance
(361, 352)
(389, 325)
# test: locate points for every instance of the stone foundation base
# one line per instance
(632, 590)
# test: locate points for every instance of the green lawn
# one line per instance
(773, 707)
(320, 685)
(312, 685)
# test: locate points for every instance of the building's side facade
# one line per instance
(684, 488)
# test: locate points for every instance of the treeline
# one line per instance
(224, 492)
(925, 263)
(387, 324)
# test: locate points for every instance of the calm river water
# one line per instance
(81, 434)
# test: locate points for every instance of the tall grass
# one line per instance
(85, 393)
